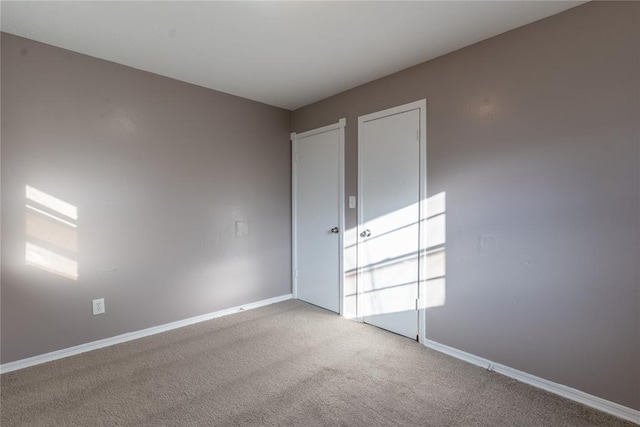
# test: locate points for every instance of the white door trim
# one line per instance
(340, 125)
(416, 105)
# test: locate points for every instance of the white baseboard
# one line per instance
(94, 345)
(559, 389)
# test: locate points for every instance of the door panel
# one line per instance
(317, 195)
(389, 152)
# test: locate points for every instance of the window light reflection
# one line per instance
(389, 261)
(51, 234)
(50, 261)
(51, 202)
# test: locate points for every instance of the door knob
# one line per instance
(335, 230)
(365, 233)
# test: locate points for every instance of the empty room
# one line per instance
(314, 213)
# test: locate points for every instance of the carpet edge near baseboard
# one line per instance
(586, 399)
(570, 393)
(130, 336)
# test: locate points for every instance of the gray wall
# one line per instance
(159, 171)
(534, 137)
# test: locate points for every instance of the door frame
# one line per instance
(420, 105)
(340, 125)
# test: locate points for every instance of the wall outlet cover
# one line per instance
(242, 228)
(98, 306)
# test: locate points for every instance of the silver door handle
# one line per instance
(335, 230)
(365, 233)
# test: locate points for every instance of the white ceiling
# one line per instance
(287, 54)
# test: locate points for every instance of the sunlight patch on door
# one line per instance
(387, 277)
(51, 234)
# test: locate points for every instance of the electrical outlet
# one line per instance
(242, 228)
(98, 306)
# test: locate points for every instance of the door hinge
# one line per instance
(417, 303)
(418, 134)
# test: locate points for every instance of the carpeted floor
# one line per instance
(286, 364)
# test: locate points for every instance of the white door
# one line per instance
(389, 160)
(317, 216)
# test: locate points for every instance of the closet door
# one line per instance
(317, 216)
(389, 153)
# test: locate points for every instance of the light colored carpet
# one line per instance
(286, 364)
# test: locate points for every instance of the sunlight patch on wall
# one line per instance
(50, 202)
(434, 285)
(50, 261)
(51, 234)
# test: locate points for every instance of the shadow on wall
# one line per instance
(51, 234)
(389, 261)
